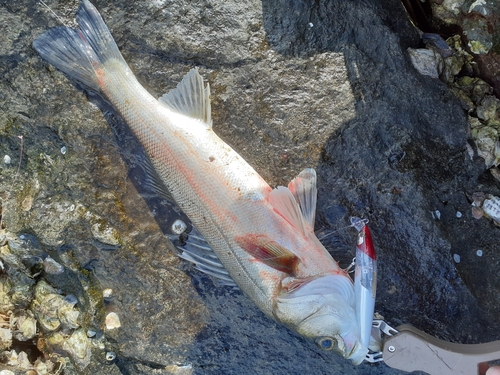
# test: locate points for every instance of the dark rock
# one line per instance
(294, 84)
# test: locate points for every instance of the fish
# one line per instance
(263, 237)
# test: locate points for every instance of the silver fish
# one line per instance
(264, 237)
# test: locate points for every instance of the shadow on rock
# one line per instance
(402, 163)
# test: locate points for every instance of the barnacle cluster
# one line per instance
(476, 95)
(36, 316)
(470, 53)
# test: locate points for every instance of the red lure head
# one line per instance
(365, 243)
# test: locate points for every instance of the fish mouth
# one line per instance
(353, 349)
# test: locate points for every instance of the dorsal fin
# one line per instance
(285, 204)
(190, 98)
(303, 188)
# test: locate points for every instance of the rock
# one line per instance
(341, 95)
(425, 61)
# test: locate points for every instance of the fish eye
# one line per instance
(326, 343)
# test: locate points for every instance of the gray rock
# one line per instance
(294, 84)
(425, 61)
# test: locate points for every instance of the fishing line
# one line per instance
(53, 13)
(356, 222)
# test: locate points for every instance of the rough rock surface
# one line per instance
(294, 84)
(477, 24)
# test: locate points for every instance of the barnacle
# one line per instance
(54, 310)
(23, 323)
(67, 314)
(5, 338)
(112, 321)
(78, 346)
(6, 304)
(491, 208)
(27, 306)
(104, 233)
(46, 310)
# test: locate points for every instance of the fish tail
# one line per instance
(80, 53)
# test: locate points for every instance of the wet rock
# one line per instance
(341, 95)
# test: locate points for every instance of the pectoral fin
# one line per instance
(269, 252)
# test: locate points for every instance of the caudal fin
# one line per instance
(80, 52)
